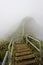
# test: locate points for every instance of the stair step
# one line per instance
(24, 57)
(21, 46)
(22, 50)
(23, 53)
(18, 44)
(26, 62)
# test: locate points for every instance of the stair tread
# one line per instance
(21, 45)
(23, 50)
(18, 44)
(23, 53)
(24, 57)
(26, 62)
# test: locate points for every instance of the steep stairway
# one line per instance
(24, 55)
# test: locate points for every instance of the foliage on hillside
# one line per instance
(3, 49)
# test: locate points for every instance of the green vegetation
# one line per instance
(3, 49)
(36, 43)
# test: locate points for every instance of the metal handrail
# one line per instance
(5, 58)
(34, 38)
(7, 52)
(38, 49)
(10, 54)
(10, 44)
(33, 44)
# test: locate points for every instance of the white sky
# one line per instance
(12, 12)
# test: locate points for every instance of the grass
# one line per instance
(3, 49)
(34, 42)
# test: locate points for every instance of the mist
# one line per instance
(13, 11)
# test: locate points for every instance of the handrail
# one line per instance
(10, 54)
(33, 44)
(33, 38)
(10, 46)
(39, 50)
(5, 58)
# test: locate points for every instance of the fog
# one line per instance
(13, 11)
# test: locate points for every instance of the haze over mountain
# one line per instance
(12, 12)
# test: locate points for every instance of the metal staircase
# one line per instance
(21, 53)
